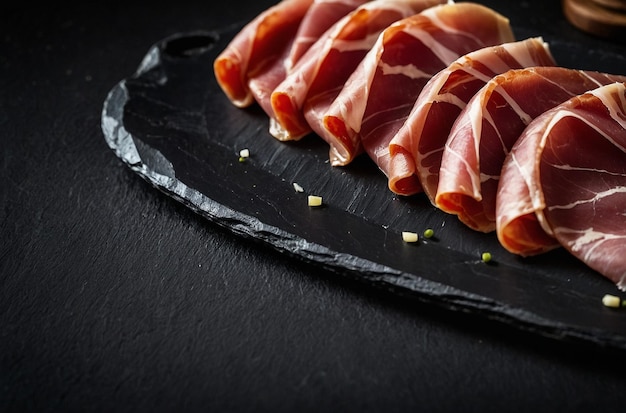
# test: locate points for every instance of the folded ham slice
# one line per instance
(417, 148)
(486, 130)
(573, 162)
(322, 14)
(380, 93)
(261, 42)
(263, 83)
(320, 73)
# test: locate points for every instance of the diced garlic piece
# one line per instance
(315, 200)
(244, 153)
(297, 187)
(611, 301)
(409, 236)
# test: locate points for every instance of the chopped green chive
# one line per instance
(486, 256)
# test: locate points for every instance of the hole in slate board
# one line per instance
(190, 44)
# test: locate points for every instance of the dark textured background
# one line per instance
(114, 297)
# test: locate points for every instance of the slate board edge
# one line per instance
(121, 142)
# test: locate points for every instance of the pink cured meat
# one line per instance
(380, 93)
(573, 158)
(322, 14)
(261, 42)
(263, 84)
(486, 130)
(417, 148)
(320, 73)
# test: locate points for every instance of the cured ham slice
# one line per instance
(417, 148)
(573, 160)
(316, 80)
(263, 84)
(484, 133)
(265, 81)
(260, 42)
(380, 93)
(321, 16)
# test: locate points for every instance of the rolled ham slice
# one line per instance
(573, 162)
(316, 80)
(258, 44)
(417, 148)
(287, 50)
(322, 14)
(380, 93)
(486, 130)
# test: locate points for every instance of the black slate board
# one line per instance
(170, 123)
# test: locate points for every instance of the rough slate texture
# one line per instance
(116, 298)
(176, 129)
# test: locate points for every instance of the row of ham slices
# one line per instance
(444, 99)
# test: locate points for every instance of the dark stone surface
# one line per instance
(115, 297)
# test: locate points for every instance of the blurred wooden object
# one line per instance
(605, 18)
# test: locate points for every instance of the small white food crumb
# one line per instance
(315, 200)
(409, 236)
(297, 187)
(611, 301)
(244, 153)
